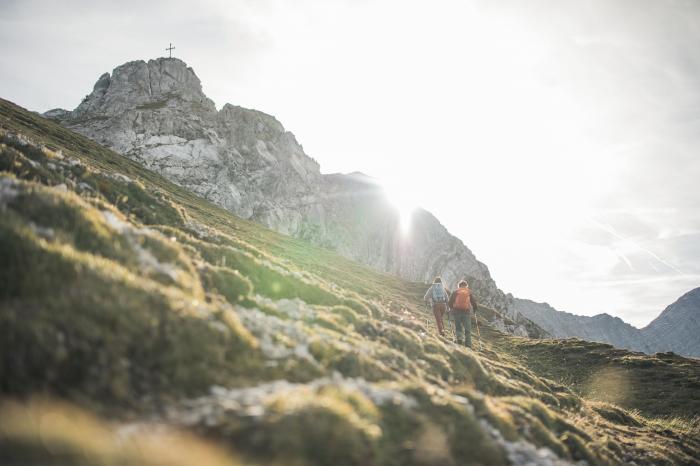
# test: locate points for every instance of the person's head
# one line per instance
(437, 280)
(463, 284)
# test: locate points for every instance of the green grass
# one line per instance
(136, 301)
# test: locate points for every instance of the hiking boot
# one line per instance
(467, 344)
(459, 342)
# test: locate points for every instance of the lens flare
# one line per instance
(403, 200)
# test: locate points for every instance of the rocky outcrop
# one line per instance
(677, 328)
(244, 160)
(56, 113)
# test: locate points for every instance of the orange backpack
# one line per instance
(462, 299)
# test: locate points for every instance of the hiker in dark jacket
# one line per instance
(462, 304)
(437, 297)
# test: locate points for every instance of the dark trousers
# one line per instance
(439, 311)
(463, 324)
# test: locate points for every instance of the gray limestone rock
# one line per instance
(56, 113)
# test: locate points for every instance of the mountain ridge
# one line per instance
(601, 327)
(677, 328)
(156, 113)
(674, 329)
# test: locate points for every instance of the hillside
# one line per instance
(245, 161)
(142, 324)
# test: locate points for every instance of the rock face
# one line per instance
(56, 113)
(677, 328)
(243, 160)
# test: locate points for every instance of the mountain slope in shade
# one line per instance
(677, 328)
(602, 328)
(244, 160)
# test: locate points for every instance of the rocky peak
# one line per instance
(677, 328)
(56, 113)
(251, 122)
(262, 140)
(102, 84)
(148, 85)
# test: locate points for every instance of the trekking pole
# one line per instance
(453, 325)
(427, 318)
(449, 323)
(478, 333)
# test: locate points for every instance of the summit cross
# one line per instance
(170, 50)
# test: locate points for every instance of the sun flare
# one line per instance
(403, 199)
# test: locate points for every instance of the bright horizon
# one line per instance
(567, 131)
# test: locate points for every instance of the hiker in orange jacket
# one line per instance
(462, 303)
(437, 297)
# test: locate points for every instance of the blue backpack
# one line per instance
(439, 295)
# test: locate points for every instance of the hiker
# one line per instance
(437, 297)
(462, 303)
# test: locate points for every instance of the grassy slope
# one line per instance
(131, 298)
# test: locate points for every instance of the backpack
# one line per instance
(439, 295)
(462, 299)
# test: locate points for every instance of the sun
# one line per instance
(404, 200)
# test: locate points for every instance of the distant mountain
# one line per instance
(676, 329)
(602, 327)
(244, 160)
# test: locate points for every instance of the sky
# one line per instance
(558, 139)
